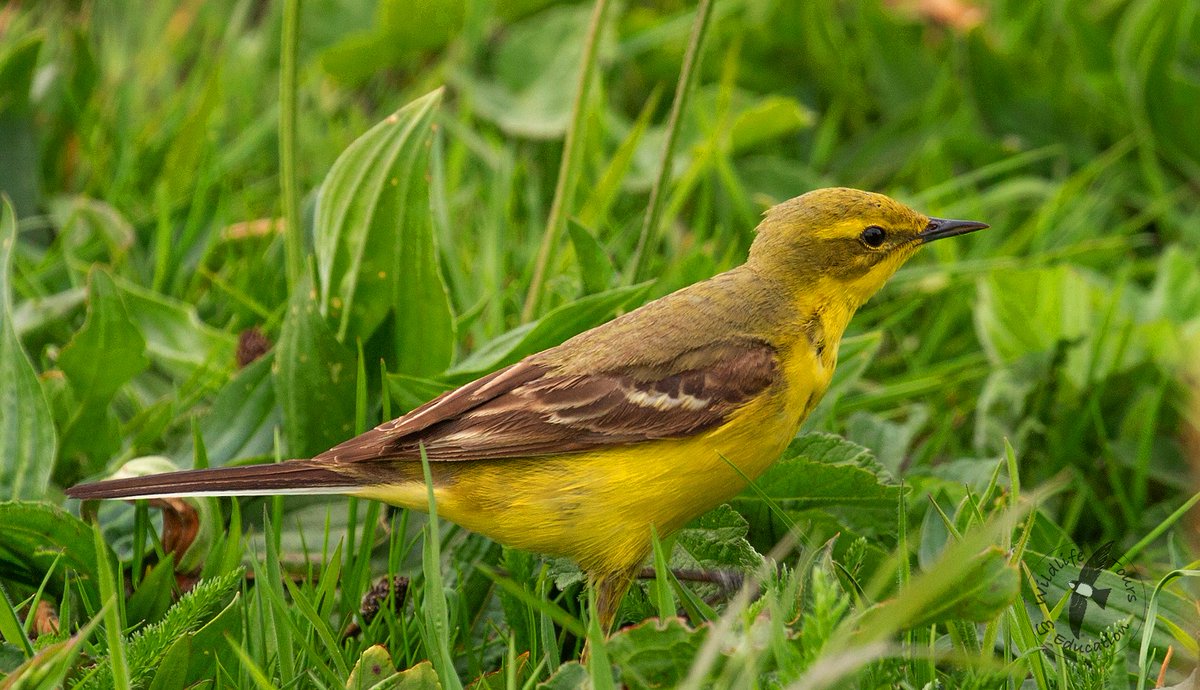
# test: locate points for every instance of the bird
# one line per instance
(634, 427)
(1083, 589)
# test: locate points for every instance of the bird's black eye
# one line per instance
(873, 236)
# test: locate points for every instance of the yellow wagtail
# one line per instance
(581, 449)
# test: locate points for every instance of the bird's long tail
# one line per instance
(291, 477)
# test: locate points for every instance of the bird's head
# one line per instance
(845, 240)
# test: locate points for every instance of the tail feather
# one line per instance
(291, 477)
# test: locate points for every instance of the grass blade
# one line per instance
(568, 170)
(111, 594)
(293, 242)
(691, 61)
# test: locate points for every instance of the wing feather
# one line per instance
(530, 409)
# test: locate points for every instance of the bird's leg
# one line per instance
(610, 589)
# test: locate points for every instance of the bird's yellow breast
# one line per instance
(597, 507)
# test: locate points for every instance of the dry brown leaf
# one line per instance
(954, 14)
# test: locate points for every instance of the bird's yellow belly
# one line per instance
(598, 507)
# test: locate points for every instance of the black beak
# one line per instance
(940, 228)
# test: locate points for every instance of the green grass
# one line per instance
(456, 193)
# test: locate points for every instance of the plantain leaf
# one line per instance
(27, 438)
(108, 351)
(314, 379)
(35, 535)
(104, 355)
(375, 247)
(176, 339)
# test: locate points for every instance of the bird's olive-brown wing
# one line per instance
(529, 410)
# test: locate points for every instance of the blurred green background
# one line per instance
(139, 147)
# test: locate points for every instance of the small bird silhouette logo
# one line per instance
(1083, 589)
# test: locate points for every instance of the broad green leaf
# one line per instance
(106, 353)
(374, 666)
(375, 247)
(736, 120)
(570, 676)
(1057, 299)
(934, 532)
(314, 379)
(821, 475)
(550, 330)
(27, 439)
(171, 671)
(715, 540)
(1175, 294)
(402, 29)
(656, 653)
(11, 655)
(176, 339)
(34, 535)
(1000, 408)
(890, 441)
(833, 450)
(1127, 598)
(376, 671)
